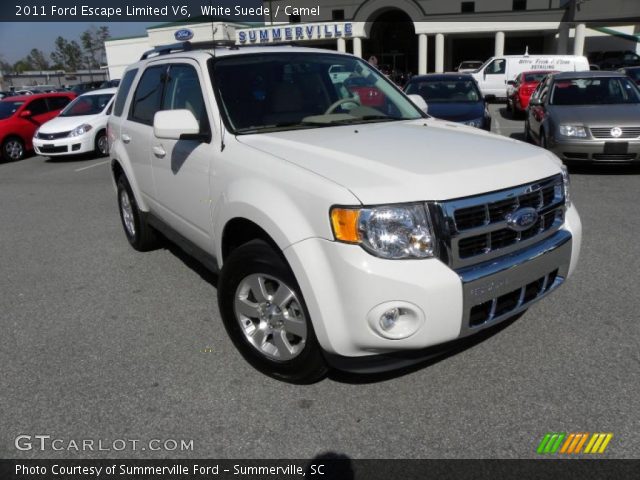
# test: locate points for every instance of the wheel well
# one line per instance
(13, 135)
(239, 231)
(117, 169)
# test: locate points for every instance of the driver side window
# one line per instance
(498, 66)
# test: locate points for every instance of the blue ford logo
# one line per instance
(522, 219)
(183, 35)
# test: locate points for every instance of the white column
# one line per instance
(499, 48)
(342, 45)
(422, 54)
(578, 41)
(439, 53)
(563, 39)
(357, 47)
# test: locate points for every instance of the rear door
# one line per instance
(181, 167)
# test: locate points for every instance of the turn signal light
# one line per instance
(345, 224)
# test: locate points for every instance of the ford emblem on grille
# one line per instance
(522, 219)
(616, 132)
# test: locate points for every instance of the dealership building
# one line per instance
(413, 35)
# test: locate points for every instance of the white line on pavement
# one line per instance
(91, 166)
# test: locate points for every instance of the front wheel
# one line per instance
(265, 315)
(13, 149)
(101, 144)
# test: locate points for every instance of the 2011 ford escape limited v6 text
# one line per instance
(343, 232)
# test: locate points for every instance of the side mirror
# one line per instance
(490, 97)
(511, 82)
(419, 102)
(535, 102)
(176, 125)
(26, 113)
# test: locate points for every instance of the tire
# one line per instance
(509, 109)
(265, 315)
(13, 149)
(543, 139)
(101, 144)
(527, 135)
(139, 234)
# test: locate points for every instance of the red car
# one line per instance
(369, 95)
(522, 88)
(21, 116)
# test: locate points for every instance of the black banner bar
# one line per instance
(323, 467)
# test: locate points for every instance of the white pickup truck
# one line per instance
(344, 234)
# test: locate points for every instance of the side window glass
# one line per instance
(183, 91)
(497, 66)
(38, 107)
(58, 103)
(148, 97)
(123, 91)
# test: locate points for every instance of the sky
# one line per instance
(17, 39)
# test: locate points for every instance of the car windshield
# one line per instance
(633, 73)
(535, 77)
(594, 91)
(287, 91)
(8, 108)
(446, 91)
(87, 105)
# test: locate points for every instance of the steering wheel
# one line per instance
(342, 101)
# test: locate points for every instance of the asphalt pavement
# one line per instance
(101, 342)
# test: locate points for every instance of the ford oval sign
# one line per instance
(522, 219)
(183, 35)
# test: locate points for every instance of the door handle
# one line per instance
(158, 151)
(126, 138)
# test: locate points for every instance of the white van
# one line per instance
(493, 75)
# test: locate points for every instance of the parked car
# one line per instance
(492, 77)
(632, 72)
(6, 94)
(614, 59)
(586, 117)
(452, 97)
(524, 85)
(469, 66)
(110, 83)
(20, 116)
(81, 88)
(344, 234)
(80, 128)
(367, 93)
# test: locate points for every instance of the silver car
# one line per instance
(586, 117)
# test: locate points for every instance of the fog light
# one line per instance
(389, 319)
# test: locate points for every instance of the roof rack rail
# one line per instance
(166, 49)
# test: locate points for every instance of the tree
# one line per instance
(93, 44)
(37, 60)
(5, 67)
(67, 55)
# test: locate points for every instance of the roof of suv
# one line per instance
(587, 74)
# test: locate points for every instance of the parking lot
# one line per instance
(102, 342)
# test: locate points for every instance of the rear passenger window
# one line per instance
(148, 97)
(182, 91)
(58, 103)
(123, 91)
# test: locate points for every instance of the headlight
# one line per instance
(566, 181)
(573, 131)
(81, 130)
(392, 231)
(476, 122)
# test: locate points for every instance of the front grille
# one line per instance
(614, 157)
(476, 229)
(52, 136)
(508, 303)
(52, 149)
(605, 132)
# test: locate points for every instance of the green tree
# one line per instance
(92, 41)
(67, 55)
(37, 60)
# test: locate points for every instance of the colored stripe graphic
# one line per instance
(572, 443)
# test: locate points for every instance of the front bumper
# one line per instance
(64, 146)
(591, 150)
(342, 286)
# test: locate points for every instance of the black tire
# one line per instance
(258, 260)
(141, 237)
(101, 145)
(527, 134)
(13, 149)
(543, 140)
(509, 109)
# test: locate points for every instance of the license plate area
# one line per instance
(616, 148)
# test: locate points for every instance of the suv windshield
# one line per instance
(446, 91)
(594, 91)
(286, 91)
(87, 105)
(8, 108)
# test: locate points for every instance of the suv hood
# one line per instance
(407, 161)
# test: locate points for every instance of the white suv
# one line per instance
(345, 234)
